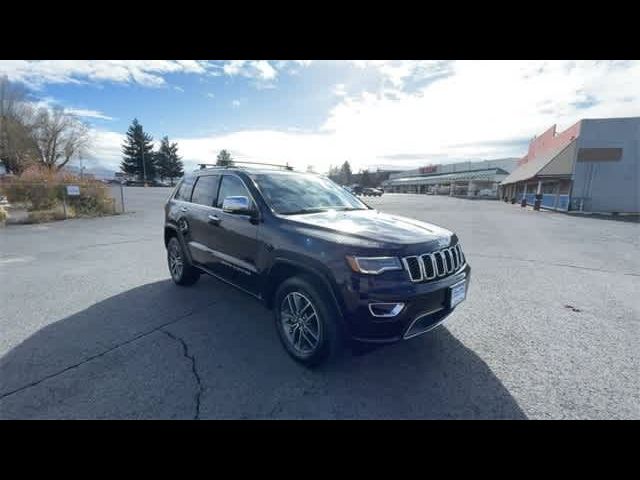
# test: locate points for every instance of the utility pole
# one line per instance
(144, 167)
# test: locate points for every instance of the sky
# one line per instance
(373, 113)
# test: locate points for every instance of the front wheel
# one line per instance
(307, 322)
(182, 272)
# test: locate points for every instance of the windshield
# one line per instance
(298, 193)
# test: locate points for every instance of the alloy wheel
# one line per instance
(176, 263)
(300, 323)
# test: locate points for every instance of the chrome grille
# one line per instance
(412, 265)
(434, 265)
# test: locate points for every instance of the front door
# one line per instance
(233, 239)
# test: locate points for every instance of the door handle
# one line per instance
(214, 219)
(183, 209)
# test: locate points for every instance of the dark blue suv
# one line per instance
(333, 270)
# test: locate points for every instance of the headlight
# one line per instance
(373, 265)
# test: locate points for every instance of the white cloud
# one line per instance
(235, 103)
(50, 103)
(211, 95)
(482, 109)
(150, 73)
(106, 148)
(35, 73)
(265, 70)
(340, 90)
(396, 72)
(483, 101)
(260, 70)
(179, 89)
(234, 67)
(87, 113)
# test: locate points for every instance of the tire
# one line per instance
(324, 322)
(182, 272)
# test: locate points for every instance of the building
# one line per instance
(467, 179)
(593, 166)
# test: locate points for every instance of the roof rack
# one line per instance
(235, 162)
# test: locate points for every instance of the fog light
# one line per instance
(385, 309)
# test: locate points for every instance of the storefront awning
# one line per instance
(557, 162)
(490, 175)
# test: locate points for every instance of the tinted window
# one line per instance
(232, 187)
(206, 190)
(184, 191)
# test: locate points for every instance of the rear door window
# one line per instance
(184, 191)
(206, 190)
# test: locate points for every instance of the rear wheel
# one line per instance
(307, 322)
(182, 272)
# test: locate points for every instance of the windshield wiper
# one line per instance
(321, 209)
(307, 210)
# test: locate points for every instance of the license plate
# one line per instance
(458, 293)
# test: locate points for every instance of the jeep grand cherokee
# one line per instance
(332, 269)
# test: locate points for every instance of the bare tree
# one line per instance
(17, 146)
(58, 136)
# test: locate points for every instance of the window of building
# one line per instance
(206, 190)
(565, 187)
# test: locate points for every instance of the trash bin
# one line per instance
(537, 202)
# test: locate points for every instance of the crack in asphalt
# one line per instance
(122, 242)
(98, 355)
(191, 358)
(542, 262)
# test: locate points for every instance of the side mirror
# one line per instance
(238, 205)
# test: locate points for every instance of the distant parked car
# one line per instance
(140, 183)
(371, 192)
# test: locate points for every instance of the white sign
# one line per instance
(73, 190)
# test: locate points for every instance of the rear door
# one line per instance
(179, 206)
(202, 215)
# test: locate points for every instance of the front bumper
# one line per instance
(426, 307)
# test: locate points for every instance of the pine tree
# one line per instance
(345, 173)
(138, 145)
(224, 158)
(168, 162)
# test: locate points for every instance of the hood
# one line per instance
(375, 226)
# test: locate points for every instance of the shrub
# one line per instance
(94, 200)
(44, 190)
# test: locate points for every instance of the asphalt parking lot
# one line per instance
(92, 327)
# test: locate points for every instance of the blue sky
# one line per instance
(321, 113)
